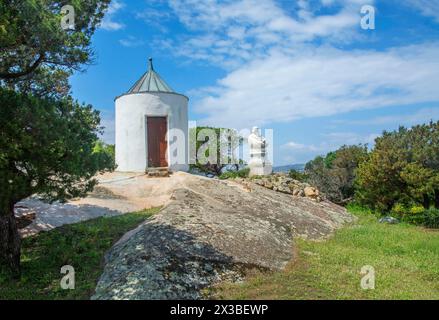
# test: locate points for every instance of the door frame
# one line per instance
(146, 138)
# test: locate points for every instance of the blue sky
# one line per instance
(305, 69)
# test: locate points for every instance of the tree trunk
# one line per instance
(426, 201)
(10, 242)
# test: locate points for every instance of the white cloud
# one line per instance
(131, 42)
(299, 146)
(429, 8)
(293, 152)
(155, 18)
(108, 23)
(278, 73)
(421, 116)
(108, 122)
(331, 141)
(335, 140)
(322, 82)
(233, 32)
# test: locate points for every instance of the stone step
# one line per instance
(158, 172)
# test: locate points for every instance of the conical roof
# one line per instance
(150, 82)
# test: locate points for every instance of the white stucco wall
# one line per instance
(132, 111)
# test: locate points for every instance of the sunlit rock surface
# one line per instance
(211, 231)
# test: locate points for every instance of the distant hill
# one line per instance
(297, 167)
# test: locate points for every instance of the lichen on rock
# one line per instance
(212, 231)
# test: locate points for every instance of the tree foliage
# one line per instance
(213, 149)
(37, 55)
(403, 168)
(335, 173)
(31, 35)
(298, 175)
(106, 153)
(48, 147)
(47, 140)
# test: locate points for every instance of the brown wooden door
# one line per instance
(157, 144)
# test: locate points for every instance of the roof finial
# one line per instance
(150, 66)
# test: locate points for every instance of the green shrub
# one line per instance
(221, 141)
(297, 175)
(106, 153)
(427, 218)
(403, 167)
(335, 174)
(399, 210)
(416, 219)
(417, 209)
(244, 173)
(431, 218)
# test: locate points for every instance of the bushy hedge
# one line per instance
(399, 176)
(244, 173)
(418, 215)
(297, 175)
(222, 141)
(334, 174)
(403, 168)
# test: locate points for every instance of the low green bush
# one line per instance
(417, 215)
(416, 219)
(244, 173)
(399, 210)
(412, 214)
(430, 218)
(297, 175)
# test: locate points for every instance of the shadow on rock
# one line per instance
(161, 262)
(209, 232)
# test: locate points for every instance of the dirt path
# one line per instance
(117, 193)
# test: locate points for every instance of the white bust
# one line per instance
(258, 165)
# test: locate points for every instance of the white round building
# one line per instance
(151, 126)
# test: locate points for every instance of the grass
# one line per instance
(405, 259)
(80, 245)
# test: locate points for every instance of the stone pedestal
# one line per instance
(258, 164)
(260, 168)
